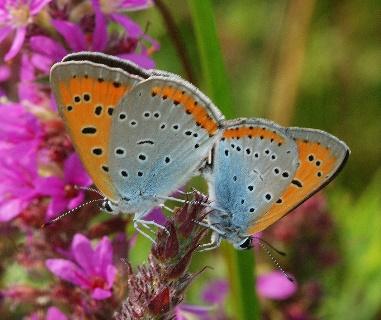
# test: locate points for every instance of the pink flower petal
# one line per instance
(68, 271)
(55, 314)
(215, 292)
(37, 5)
(132, 28)
(101, 294)
(41, 62)
(134, 5)
(10, 209)
(17, 44)
(57, 206)
(111, 274)
(187, 311)
(72, 34)
(76, 201)
(75, 172)
(274, 285)
(140, 59)
(4, 31)
(100, 36)
(47, 46)
(5, 73)
(103, 253)
(83, 253)
(156, 215)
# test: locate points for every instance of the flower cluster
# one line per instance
(39, 170)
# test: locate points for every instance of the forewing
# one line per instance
(161, 132)
(253, 163)
(87, 94)
(321, 157)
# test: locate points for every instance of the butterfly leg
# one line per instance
(214, 243)
(165, 207)
(136, 225)
(147, 225)
(170, 198)
(184, 192)
(209, 226)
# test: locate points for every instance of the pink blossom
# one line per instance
(21, 134)
(28, 88)
(216, 291)
(89, 268)
(19, 183)
(62, 189)
(15, 16)
(274, 285)
(186, 311)
(52, 314)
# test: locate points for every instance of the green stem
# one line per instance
(212, 64)
(240, 264)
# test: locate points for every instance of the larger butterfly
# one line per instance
(140, 134)
(260, 171)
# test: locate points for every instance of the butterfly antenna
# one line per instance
(275, 261)
(90, 189)
(69, 212)
(270, 246)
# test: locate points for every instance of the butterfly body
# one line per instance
(141, 134)
(261, 171)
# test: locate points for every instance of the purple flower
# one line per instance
(90, 269)
(52, 314)
(156, 215)
(5, 72)
(113, 6)
(47, 51)
(111, 10)
(215, 292)
(186, 311)
(274, 285)
(55, 314)
(15, 16)
(62, 190)
(21, 134)
(28, 88)
(19, 183)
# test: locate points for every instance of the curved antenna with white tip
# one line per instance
(69, 212)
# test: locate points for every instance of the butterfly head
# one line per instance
(139, 205)
(109, 206)
(245, 244)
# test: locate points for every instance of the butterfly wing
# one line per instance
(253, 163)
(86, 94)
(161, 132)
(321, 157)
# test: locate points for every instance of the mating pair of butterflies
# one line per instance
(141, 134)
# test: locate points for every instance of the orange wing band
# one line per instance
(87, 105)
(317, 165)
(199, 112)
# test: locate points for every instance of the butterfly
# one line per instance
(260, 171)
(140, 134)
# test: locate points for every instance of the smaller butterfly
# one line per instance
(260, 171)
(141, 134)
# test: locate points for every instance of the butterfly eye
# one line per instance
(246, 244)
(106, 206)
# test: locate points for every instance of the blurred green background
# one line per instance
(311, 64)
